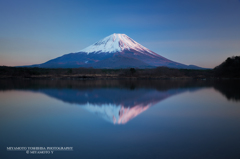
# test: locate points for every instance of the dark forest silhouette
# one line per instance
(229, 68)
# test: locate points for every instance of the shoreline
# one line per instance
(127, 73)
(113, 77)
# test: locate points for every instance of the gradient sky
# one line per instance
(200, 32)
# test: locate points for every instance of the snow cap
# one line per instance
(115, 43)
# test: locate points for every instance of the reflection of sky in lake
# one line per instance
(185, 124)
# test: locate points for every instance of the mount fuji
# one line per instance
(114, 51)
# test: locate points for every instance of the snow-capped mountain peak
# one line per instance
(116, 43)
(114, 51)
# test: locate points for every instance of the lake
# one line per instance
(120, 119)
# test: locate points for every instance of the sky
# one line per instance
(199, 32)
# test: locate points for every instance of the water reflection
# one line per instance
(163, 119)
(119, 101)
(229, 88)
(112, 104)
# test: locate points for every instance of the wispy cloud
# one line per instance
(218, 43)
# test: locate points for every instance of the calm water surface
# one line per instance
(112, 119)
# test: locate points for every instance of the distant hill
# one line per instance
(229, 68)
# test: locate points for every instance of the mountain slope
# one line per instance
(74, 60)
(119, 62)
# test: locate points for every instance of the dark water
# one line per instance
(112, 119)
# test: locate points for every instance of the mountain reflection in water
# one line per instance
(114, 105)
(118, 101)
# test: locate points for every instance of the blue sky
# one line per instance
(200, 32)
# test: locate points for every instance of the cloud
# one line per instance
(196, 43)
